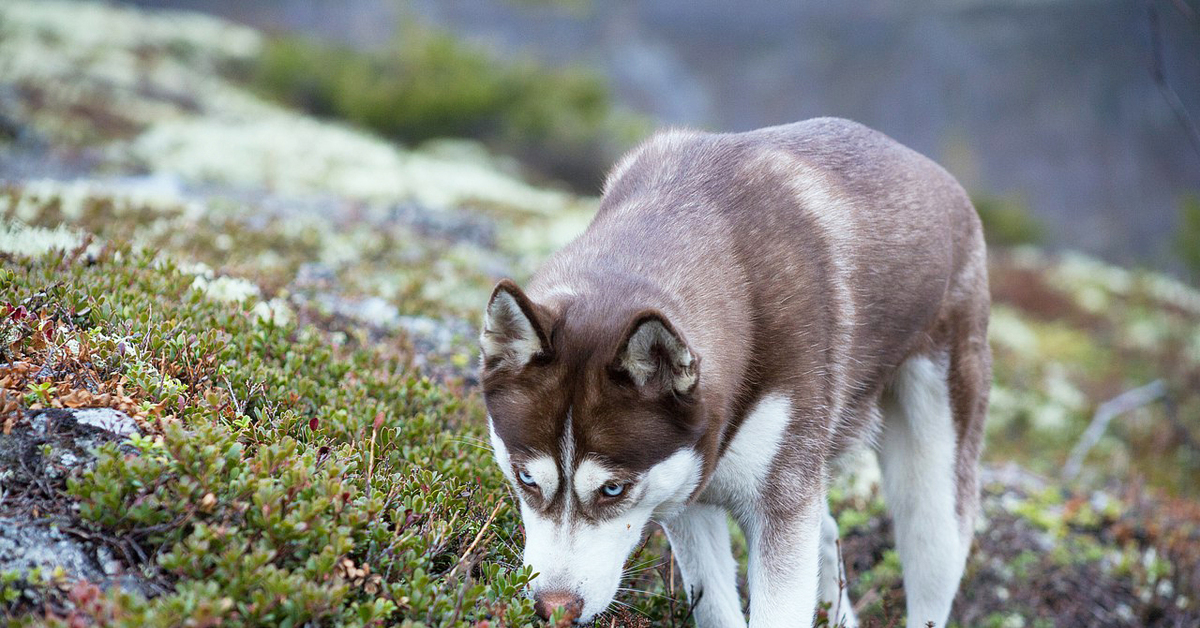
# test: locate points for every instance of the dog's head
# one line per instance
(594, 417)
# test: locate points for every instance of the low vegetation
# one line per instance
(290, 323)
(281, 479)
(1007, 221)
(1187, 237)
(428, 84)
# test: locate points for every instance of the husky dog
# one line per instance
(743, 309)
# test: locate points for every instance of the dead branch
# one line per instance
(1160, 77)
(1109, 410)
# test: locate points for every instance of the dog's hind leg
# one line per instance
(833, 585)
(918, 458)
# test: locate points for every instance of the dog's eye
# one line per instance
(612, 490)
(525, 478)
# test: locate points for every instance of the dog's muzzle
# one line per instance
(546, 602)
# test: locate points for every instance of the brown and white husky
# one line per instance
(743, 309)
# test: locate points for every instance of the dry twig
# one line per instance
(1160, 77)
(1109, 410)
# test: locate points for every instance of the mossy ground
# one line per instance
(281, 479)
(295, 338)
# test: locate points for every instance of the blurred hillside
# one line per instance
(1049, 102)
(278, 314)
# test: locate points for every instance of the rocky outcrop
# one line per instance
(40, 540)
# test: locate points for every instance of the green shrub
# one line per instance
(429, 84)
(285, 481)
(1007, 221)
(1187, 235)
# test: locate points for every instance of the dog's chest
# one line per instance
(745, 468)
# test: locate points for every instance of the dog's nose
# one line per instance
(546, 602)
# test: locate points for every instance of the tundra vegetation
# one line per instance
(284, 308)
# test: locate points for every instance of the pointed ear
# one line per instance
(514, 328)
(656, 357)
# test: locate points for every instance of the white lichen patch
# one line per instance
(294, 155)
(227, 289)
(1076, 270)
(275, 311)
(1004, 405)
(99, 69)
(121, 196)
(1093, 283)
(195, 268)
(1060, 389)
(157, 73)
(17, 238)
(372, 311)
(857, 475)
(95, 26)
(1147, 332)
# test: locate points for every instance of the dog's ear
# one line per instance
(656, 357)
(514, 329)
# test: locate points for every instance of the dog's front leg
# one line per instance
(784, 558)
(699, 537)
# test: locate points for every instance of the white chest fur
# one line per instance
(743, 469)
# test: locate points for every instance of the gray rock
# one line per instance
(446, 224)
(54, 443)
(27, 545)
(37, 458)
(372, 311)
(438, 335)
(437, 343)
(107, 419)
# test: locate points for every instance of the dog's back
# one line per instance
(821, 246)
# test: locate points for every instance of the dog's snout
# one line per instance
(546, 602)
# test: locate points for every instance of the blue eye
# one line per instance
(525, 478)
(612, 490)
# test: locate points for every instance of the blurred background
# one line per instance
(1049, 107)
(344, 181)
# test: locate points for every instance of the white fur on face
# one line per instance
(545, 474)
(917, 456)
(500, 451)
(542, 468)
(589, 477)
(508, 332)
(587, 557)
